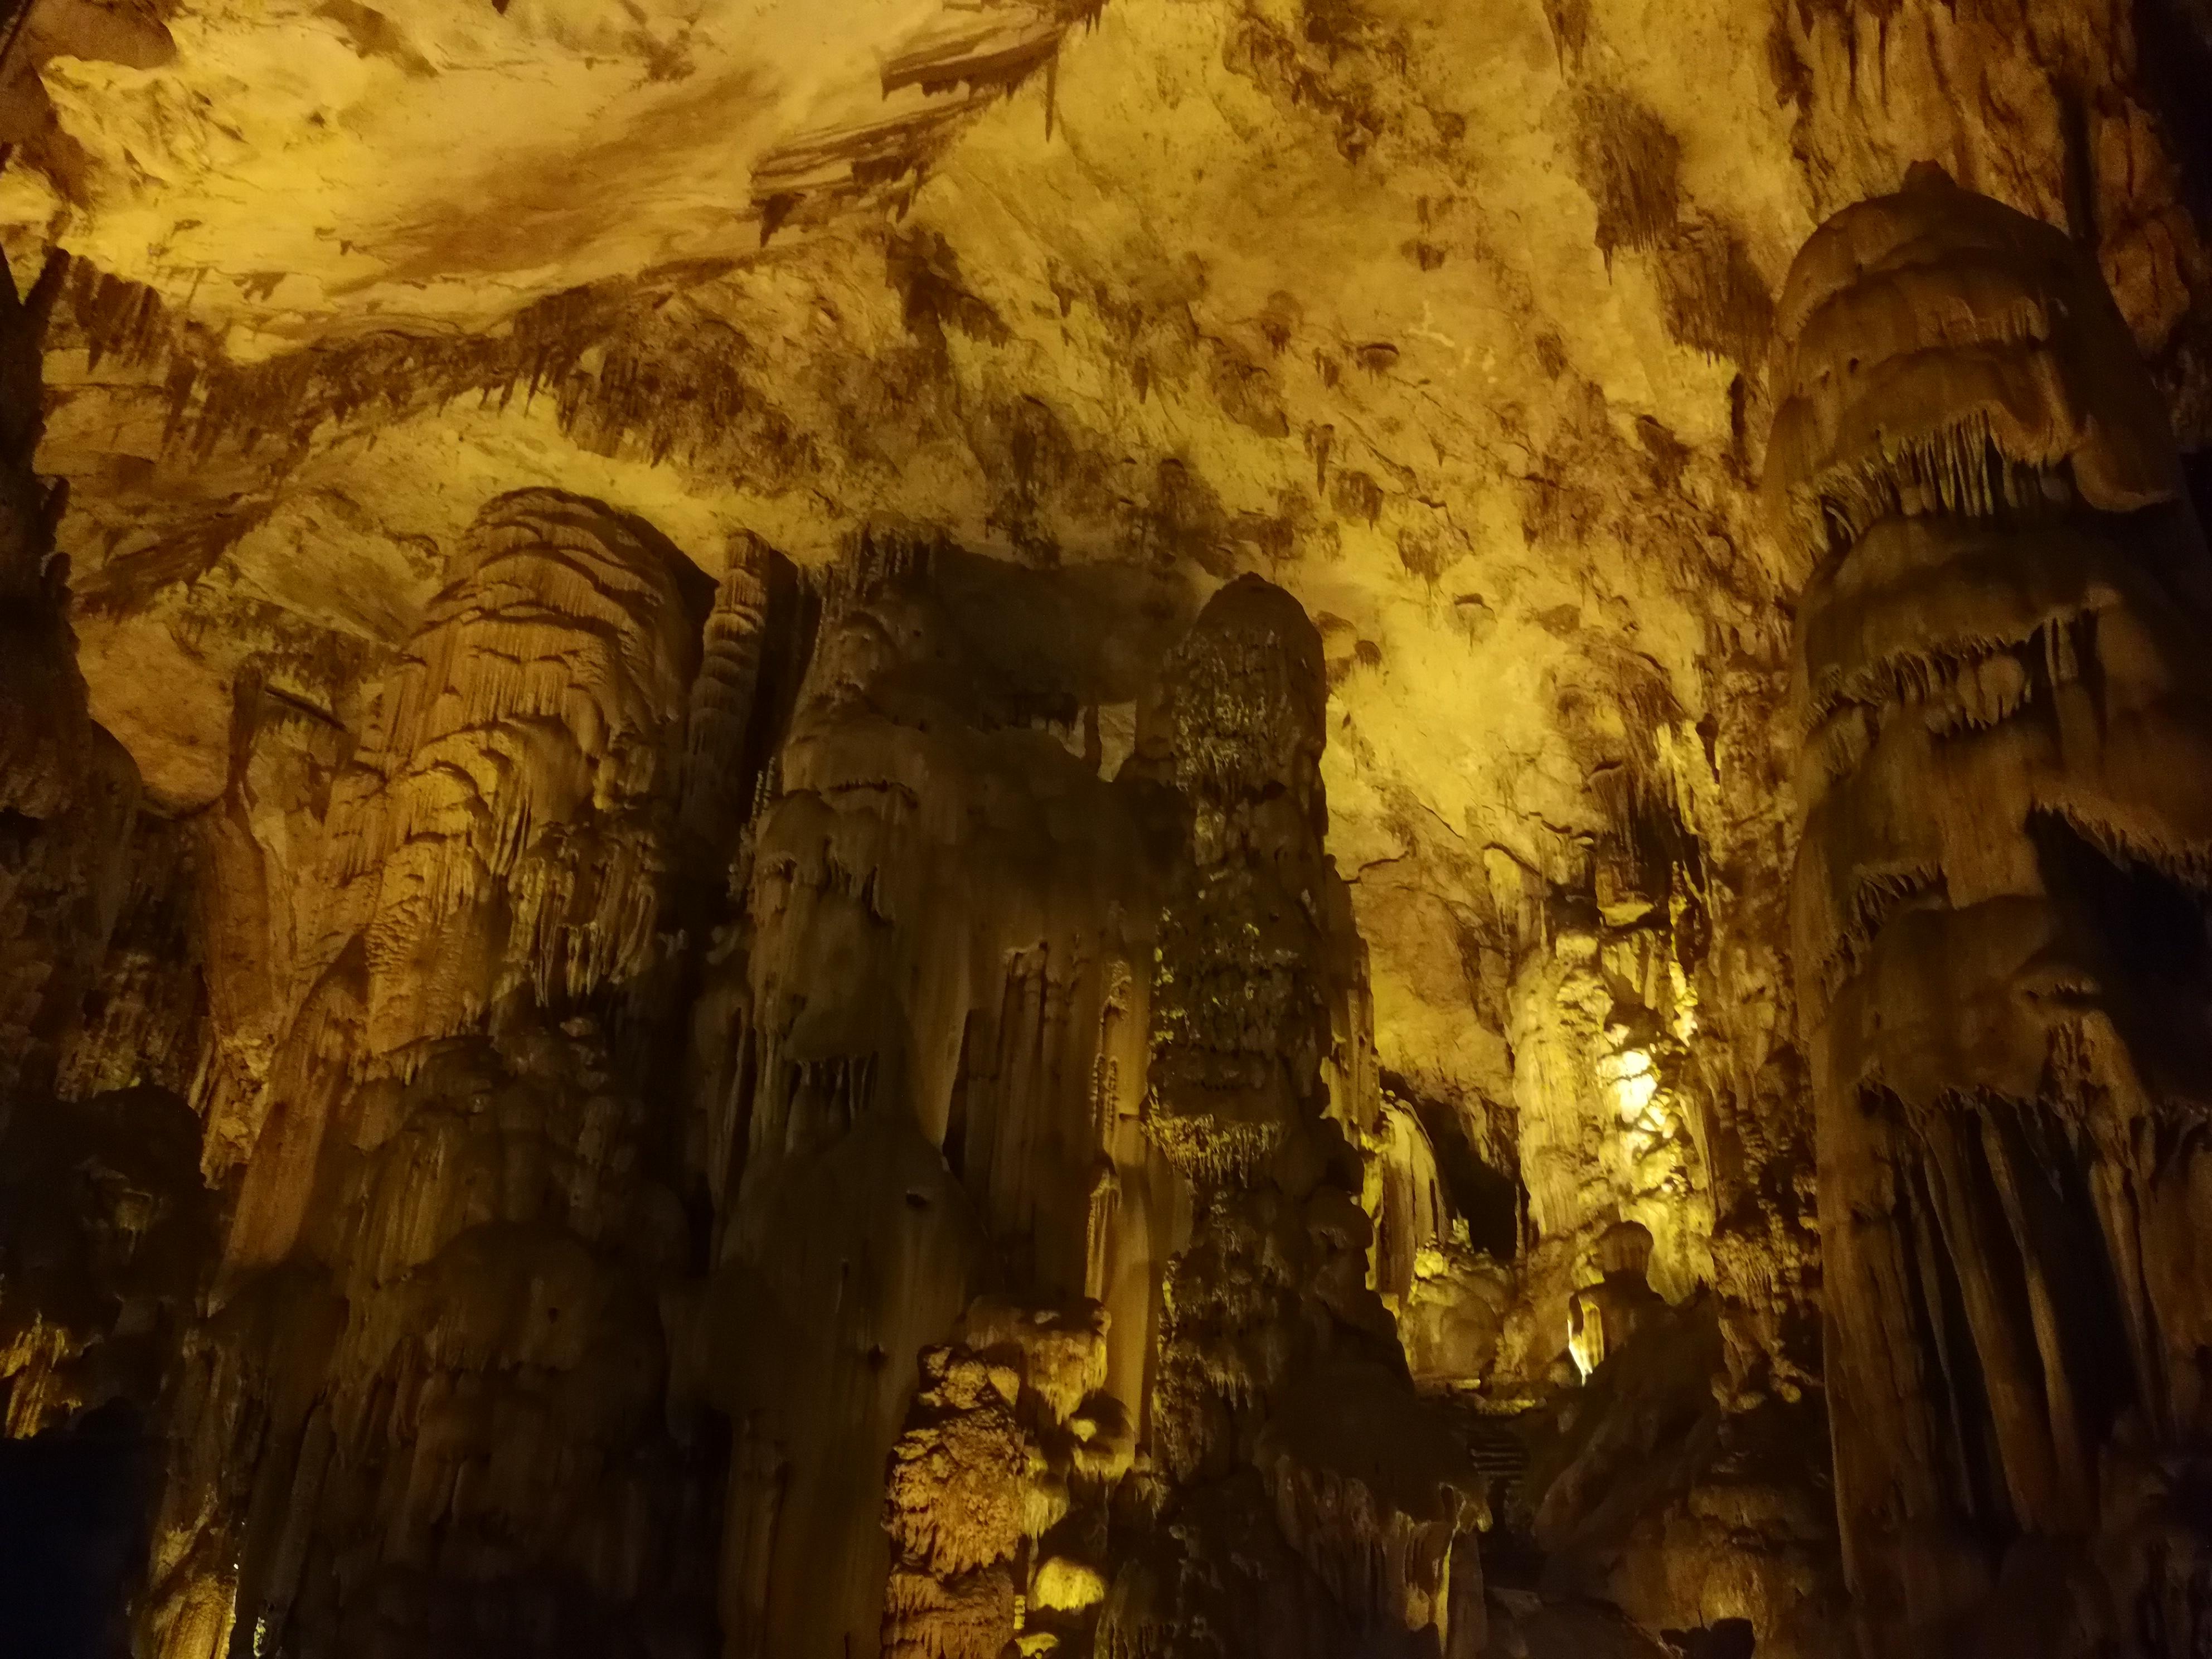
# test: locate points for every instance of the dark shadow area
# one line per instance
(72, 1531)
(2196, 464)
(1491, 1201)
(1724, 1638)
(2173, 47)
(2144, 937)
(1092, 633)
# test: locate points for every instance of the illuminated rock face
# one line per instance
(2000, 924)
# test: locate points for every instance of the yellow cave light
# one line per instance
(1632, 1084)
(1586, 1340)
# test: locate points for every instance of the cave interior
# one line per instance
(1105, 829)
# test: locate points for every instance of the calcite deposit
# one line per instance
(1116, 829)
(1998, 930)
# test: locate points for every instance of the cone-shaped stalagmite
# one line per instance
(1314, 1502)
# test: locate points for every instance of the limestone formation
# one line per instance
(429, 1409)
(103, 1224)
(1999, 925)
(917, 1063)
(998, 1486)
(69, 792)
(1275, 1354)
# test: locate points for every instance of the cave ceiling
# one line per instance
(1449, 318)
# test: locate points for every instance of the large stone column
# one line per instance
(2006, 807)
(1313, 1504)
(918, 1060)
(428, 1416)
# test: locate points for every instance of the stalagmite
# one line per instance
(2000, 927)
(917, 1065)
(1277, 1360)
(428, 1417)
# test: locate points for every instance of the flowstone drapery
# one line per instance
(426, 1411)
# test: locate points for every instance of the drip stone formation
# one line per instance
(1162, 829)
(1998, 921)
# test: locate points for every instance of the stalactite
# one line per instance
(719, 783)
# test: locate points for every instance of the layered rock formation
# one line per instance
(426, 1405)
(1998, 927)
